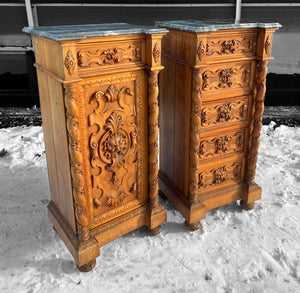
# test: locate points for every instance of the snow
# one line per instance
(234, 251)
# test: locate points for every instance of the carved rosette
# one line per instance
(268, 45)
(69, 62)
(257, 119)
(156, 53)
(72, 104)
(194, 135)
(228, 46)
(201, 50)
(153, 138)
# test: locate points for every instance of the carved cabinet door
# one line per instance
(116, 117)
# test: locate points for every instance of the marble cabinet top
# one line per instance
(78, 32)
(197, 26)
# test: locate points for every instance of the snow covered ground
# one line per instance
(234, 251)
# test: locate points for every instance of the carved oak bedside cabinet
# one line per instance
(98, 91)
(211, 104)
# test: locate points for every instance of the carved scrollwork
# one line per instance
(220, 175)
(156, 52)
(109, 56)
(233, 46)
(113, 166)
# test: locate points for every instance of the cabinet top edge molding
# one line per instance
(197, 26)
(83, 31)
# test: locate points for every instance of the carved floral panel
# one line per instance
(221, 145)
(225, 112)
(222, 174)
(115, 120)
(237, 45)
(109, 55)
(226, 78)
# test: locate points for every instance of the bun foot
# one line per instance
(154, 231)
(161, 194)
(87, 267)
(193, 226)
(247, 206)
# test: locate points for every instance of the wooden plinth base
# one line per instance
(194, 212)
(86, 252)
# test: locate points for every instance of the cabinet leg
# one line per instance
(154, 231)
(161, 194)
(88, 266)
(192, 226)
(247, 206)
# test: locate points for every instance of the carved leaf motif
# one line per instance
(201, 50)
(70, 62)
(268, 45)
(156, 52)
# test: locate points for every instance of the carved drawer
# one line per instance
(224, 172)
(226, 112)
(98, 88)
(93, 57)
(211, 104)
(236, 45)
(217, 144)
(222, 80)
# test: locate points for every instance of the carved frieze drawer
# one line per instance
(219, 144)
(116, 119)
(95, 57)
(231, 46)
(225, 113)
(220, 174)
(219, 80)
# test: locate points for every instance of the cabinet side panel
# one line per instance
(181, 126)
(60, 139)
(166, 117)
(48, 135)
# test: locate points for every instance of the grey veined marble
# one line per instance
(197, 26)
(78, 32)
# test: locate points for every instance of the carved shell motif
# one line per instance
(156, 52)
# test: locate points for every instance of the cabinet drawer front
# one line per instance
(217, 145)
(221, 114)
(98, 56)
(116, 117)
(231, 46)
(220, 173)
(223, 80)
